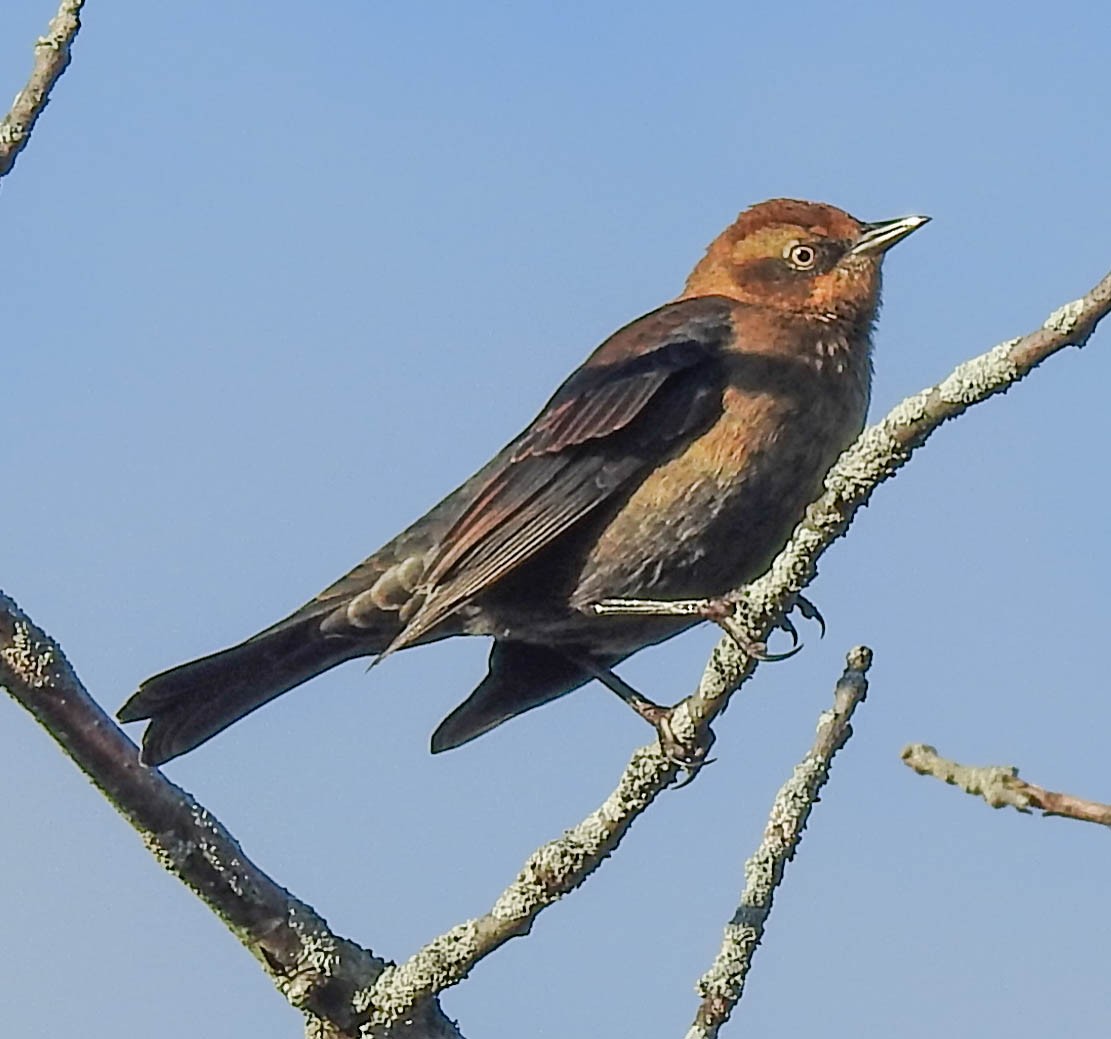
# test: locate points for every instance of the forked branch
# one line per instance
(385, 995)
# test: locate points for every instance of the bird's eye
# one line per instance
(801, 257)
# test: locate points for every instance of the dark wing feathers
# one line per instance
(599, 400)
(638, 395)
(590, 414)
(526, 526)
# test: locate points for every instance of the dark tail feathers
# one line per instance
(522, 676)
(192, 703)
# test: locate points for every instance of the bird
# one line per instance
(674, 463)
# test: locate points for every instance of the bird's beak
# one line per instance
(878, 238)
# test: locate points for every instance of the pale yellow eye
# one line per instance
(801, 257)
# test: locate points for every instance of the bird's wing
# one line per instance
(643, 392)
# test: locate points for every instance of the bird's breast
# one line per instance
(712, 516)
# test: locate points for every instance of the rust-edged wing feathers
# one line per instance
(638, 397)
(642, 394)
(642, 473)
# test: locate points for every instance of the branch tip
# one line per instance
(1001, 787)
(52, 56)
(722, 986)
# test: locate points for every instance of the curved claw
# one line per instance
(690, 757)
(786, 624)
(811, 613)
(771, 658)
(691, 771)
(756, 650)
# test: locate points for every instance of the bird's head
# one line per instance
(803, 258)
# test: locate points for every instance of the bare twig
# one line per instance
(314, 969)
(722, 985)
(51, 60)
(999, 785)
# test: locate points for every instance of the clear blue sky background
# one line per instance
(277, 276)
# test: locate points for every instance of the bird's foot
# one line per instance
(723, 612)
(690, 751)
(808, 611)
(686, 746)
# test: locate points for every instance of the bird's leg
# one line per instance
(720, 610)
(689, 755)
(649, 607)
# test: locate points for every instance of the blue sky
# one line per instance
(278, 277)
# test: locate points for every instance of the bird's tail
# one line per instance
(522, 676)
(193, 702)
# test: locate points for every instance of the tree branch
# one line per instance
(318, 972)
(52, 53)
(309, 964)
(999, 785)
(548, 874)
(386, 995)
(723, 984)
(880, 451)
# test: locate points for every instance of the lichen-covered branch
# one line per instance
(51, 59)
(549, 873)
(1000, 786)
(880, 451)
(314, 969)
(320, 972)
(722, 985)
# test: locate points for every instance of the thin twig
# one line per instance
(314, 969)
(52, 53)
(723, 984)
(1000, 786)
